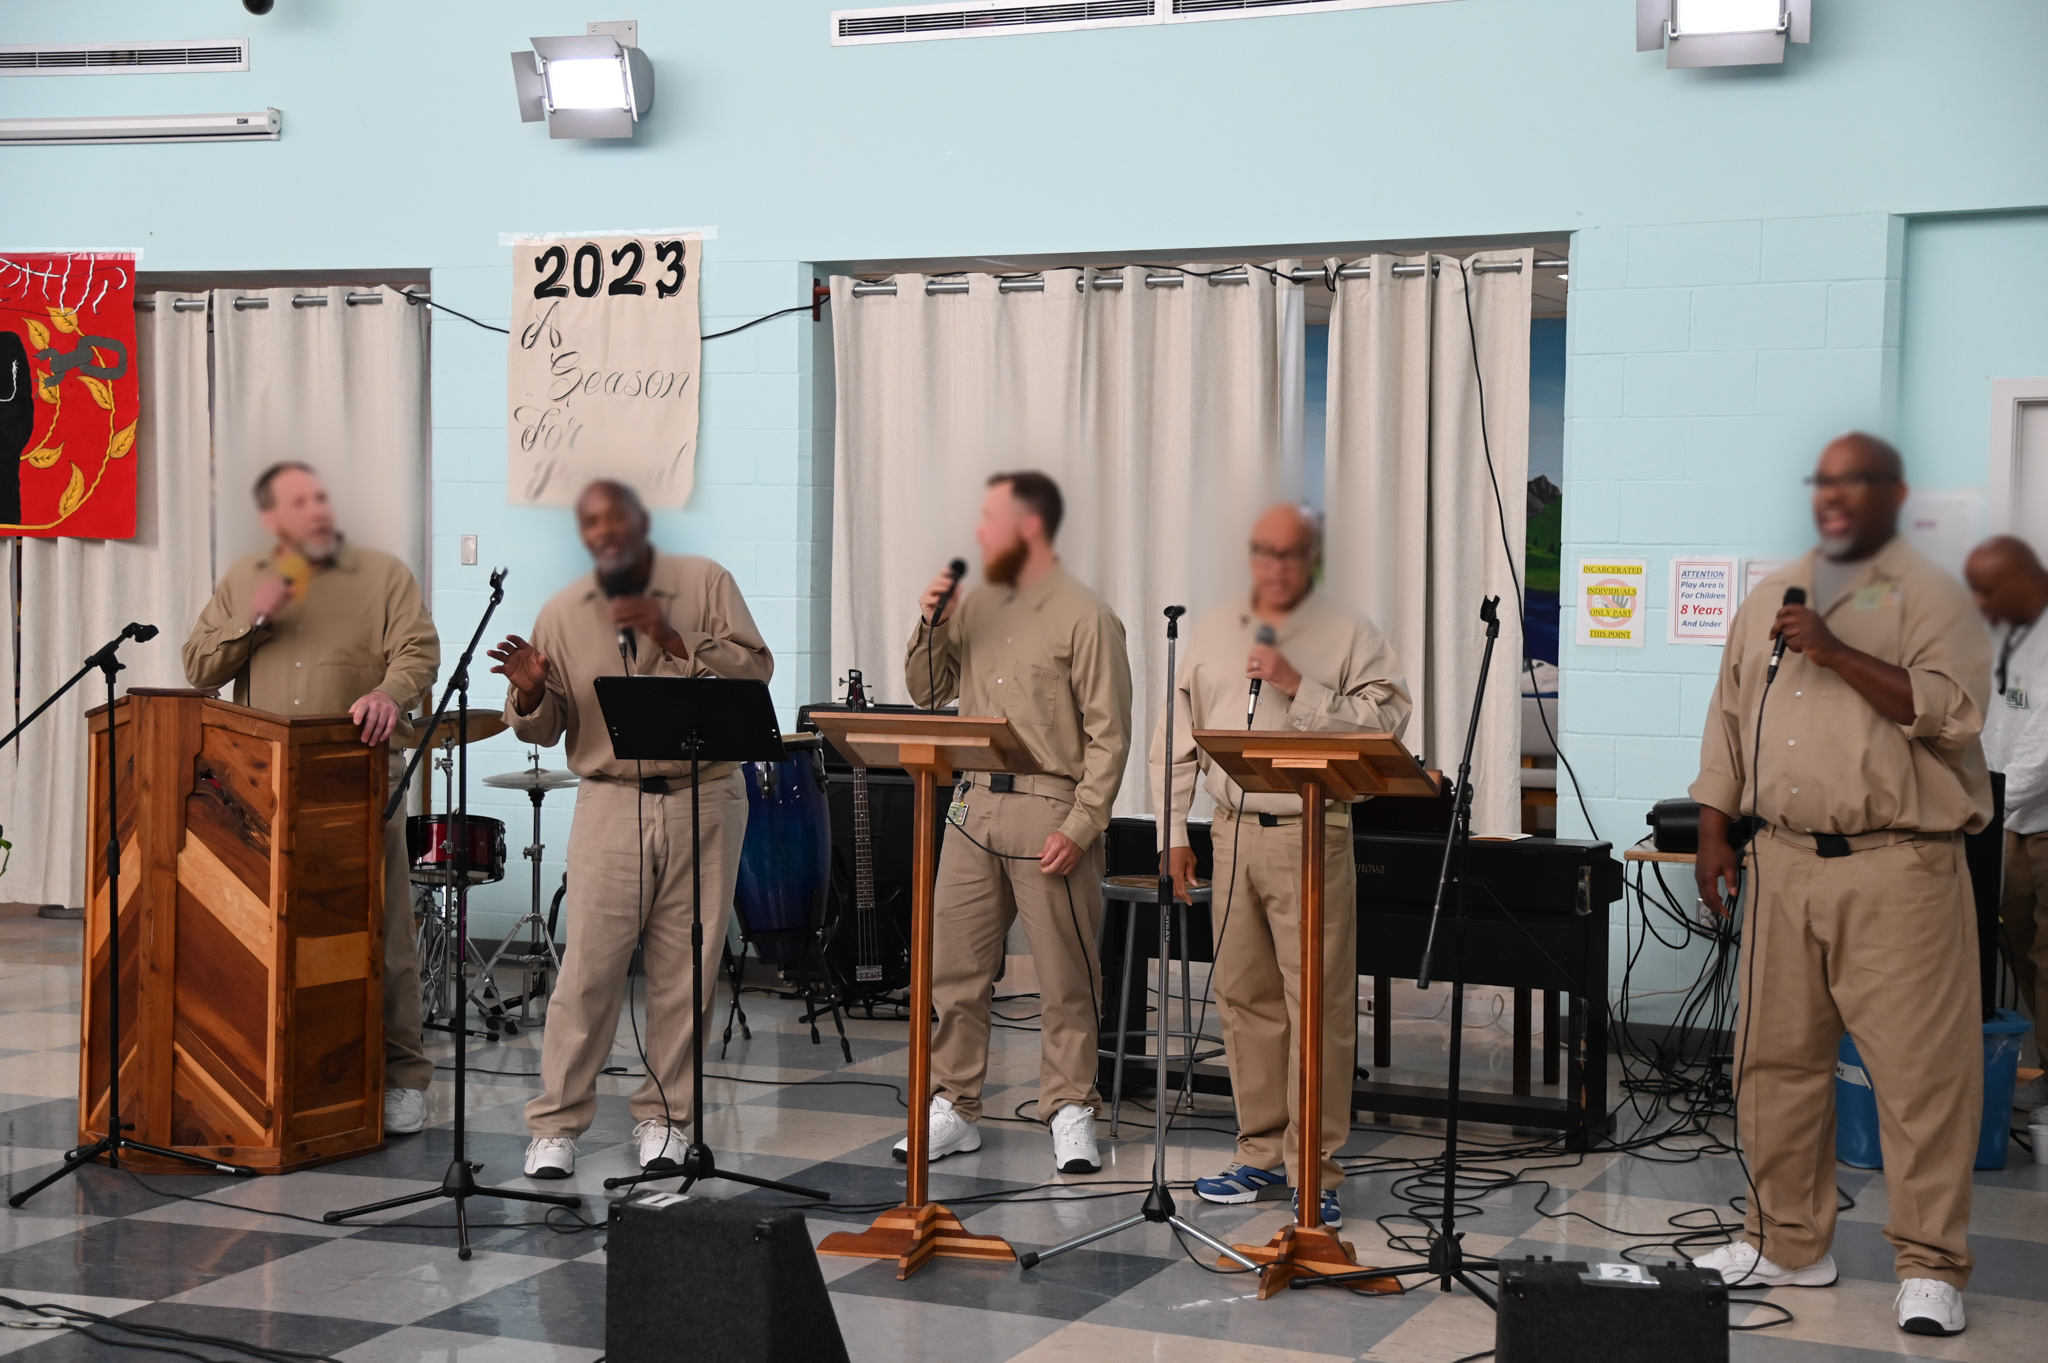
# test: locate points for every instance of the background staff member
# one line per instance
(1327, 668)
(316, 626)
(2011, 589)
(1035, 647)
(1857, 900)
(629, 848)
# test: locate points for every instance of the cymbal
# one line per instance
(533, 780)
(482, 724)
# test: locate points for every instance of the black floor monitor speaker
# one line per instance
(706, 1280)
(1571, 1312)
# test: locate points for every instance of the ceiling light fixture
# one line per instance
(597, 85)
(1722, 32)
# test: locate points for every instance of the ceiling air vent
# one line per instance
(912, 23)
(123, 59)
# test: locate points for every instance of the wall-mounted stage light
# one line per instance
(597, 85)
(1722, 32)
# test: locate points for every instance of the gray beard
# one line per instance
(321, 551)
(1837, 547)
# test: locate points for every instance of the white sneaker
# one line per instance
(2032, 1094)
(405, 1111)
(946, 1133)
(1929, 1306)
(1073, 1141)
(660, 1144)
(550, 1157)
(1741, 1266)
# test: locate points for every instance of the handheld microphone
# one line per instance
(1794, 596)
(616, 585)
(1267, 637)
(141, 634)
(955, 570)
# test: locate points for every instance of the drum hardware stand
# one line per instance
(1158, 1208)
(698, 1162)
(1447, 1262)
(452, 967)
(459, 1182)
(114, 1142)
(540, 958)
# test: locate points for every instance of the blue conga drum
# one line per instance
(786, 859)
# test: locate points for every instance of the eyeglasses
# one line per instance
(1828, 482)
(1269, 554)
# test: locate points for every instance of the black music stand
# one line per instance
(694, 720)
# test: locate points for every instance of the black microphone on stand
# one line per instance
(955, 570)
(1794, 596)
(1267, 637)
(620, 584)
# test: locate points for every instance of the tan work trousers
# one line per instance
(629, 863)
(1882, 944)
(1257, 983)
(2024, 912)
(981, 890)
(406, 1065)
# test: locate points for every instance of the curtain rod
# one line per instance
(147, 302)
(1035, 283)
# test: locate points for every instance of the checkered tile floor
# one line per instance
(251, 1260)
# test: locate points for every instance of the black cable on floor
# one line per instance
(78, 1321)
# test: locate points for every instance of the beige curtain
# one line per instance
(1162, 411)
(1414, 531)
(76, 594)
(342, 387)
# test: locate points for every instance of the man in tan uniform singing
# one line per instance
(1035, 647)
(1319, 666)
(1866, 770)
(315, 626)
(629, 848)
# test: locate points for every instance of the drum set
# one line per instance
(430, 848)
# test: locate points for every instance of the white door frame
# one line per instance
(2007, 397)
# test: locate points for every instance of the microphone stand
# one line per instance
(1447, 1262)
(459, 1182)
(114, 1142)
(1158, 1208)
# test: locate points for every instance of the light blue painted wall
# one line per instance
(1735, 266)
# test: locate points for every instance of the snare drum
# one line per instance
(432, 850)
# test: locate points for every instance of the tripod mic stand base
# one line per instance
(459, 1185)
(1305, 1252)
(913, 1236)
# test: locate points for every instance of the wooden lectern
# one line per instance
(1319, 767)
(252, 934)
(931, 747)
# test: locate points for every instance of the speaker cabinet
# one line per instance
(1570, 1312)
(704, 1280)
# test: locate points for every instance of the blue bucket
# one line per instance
(1856, 1142)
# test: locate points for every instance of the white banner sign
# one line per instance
(602, 380)
(1702, 600)
(1613, 601)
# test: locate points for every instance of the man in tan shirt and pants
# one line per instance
(629, 848)
(316, 626)
(1035, 647)
(1866, 770)
(1319, 666)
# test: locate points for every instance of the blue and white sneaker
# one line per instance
(1239, 1183)
(1333, 1214)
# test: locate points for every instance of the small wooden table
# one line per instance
(931, 748)
(1318, 767)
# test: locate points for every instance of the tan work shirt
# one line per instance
(1050, 659)
(360, 626)
(1350, 680)
(1830, 762)
(699, 600)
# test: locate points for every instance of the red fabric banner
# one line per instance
(70, 395)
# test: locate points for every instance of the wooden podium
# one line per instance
(1318, 767)
(252, 934)
(931, 748)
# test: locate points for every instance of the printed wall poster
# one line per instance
(1755, 570)
(1702, 600)
(1612, 599)
(602, 379)
(69, 395)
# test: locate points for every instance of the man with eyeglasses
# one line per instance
(1865, 770)
(1320, 667)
